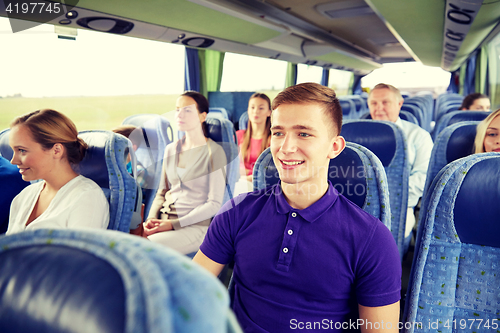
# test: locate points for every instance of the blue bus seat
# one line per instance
(215, 111)
(348, 108)
(446, 97)
(416, 112)
(458, 116)
(359, 103)
(388, 142)
(404, 115)
(447, 107)
(154, 135)
(235, 102)
(105, 164)
(104, 281)
(367, 189)
(455, 273)
(5, 150)
(11, 184)
(454, 142)
(243, 121)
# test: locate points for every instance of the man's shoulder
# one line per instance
(355, 215)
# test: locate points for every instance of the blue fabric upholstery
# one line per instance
(455, 274)
(447, 107)
(105, 164)
(243, 122)
(426, 104)
(458, 116)
(444, 98)
(5, 150)
(356, 173)
(11, 183)
(388, 143)
(416, 112)
(454, 142)
(348, 108)
(104, 281)
(154, 135)
(235, 102)
(404, 115)
(213, 111)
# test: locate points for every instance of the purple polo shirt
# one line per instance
(303, 266)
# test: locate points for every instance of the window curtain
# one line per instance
(356, 85)
(454, 82)
(192, 70)
(493, 77)
(470, 75)
(211, 65)
(291, 75)
(325, 76)
(482, 71)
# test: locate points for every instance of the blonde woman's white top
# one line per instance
(80, 203)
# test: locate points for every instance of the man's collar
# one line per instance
(311, 213)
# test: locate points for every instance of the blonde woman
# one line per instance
(488, 134)
(47, 147)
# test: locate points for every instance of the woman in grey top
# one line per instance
(192, 185)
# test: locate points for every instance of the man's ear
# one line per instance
(338, 144)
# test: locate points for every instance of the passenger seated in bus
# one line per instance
(257, 137)
(385, 102)
(476, 102)
(11, 183)
(134, 134)
(303, 253)
(47, 147)
(192, 184)
(488, 134)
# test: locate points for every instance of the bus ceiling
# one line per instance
(353, 35)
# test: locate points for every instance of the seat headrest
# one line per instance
(54, 288)
(94, 165)
(214, 129)
(460, 116)
(346, 106)
(461, 142)
(5, 149)
(477, 208)
(348, 176)
(377, 136)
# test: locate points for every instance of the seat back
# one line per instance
(416, 112)
(404, 115)
(447, 107)
(454, 142)
(105, 164)
(235, 102)
(456, 117)
(356, 173)
(153, 135)
(243, 122)
(11, 183)
(221, 112)
(5, 150)
(388, 143)
(455, 275)
(348, 108)
(446, 97)
(104, 281)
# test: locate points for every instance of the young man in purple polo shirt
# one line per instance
(305, 257)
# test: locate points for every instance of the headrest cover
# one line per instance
(346, 107)
(52, 288)
(94, 165)
(477, 206)
(376, 136)
(468, 116)
(214, 129)
(5, 149)
(461, 143)
(347, 175)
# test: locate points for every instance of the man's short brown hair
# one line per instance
(313, 93)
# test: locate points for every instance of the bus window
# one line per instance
(339, 81)
(306, 73)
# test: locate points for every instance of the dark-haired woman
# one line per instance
(257, 137)
(46, 146)
(476, 102)
(192, 185)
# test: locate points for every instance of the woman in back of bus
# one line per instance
(46, 146)
(488, 134)
(257, 137)
(192, 184)
(476, 102)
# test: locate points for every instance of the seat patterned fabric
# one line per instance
(105, 164)
(454, 142)
(444, 98)
(348, 108)
(388, 143)
(456, 117)
(5, 150)
(243, 122)
(235, 102)
(154, 135)
(356, 173)
(455, 274)
(416, 112)
(123, 283)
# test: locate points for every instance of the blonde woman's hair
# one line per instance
(481, 131)
(49, 127)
